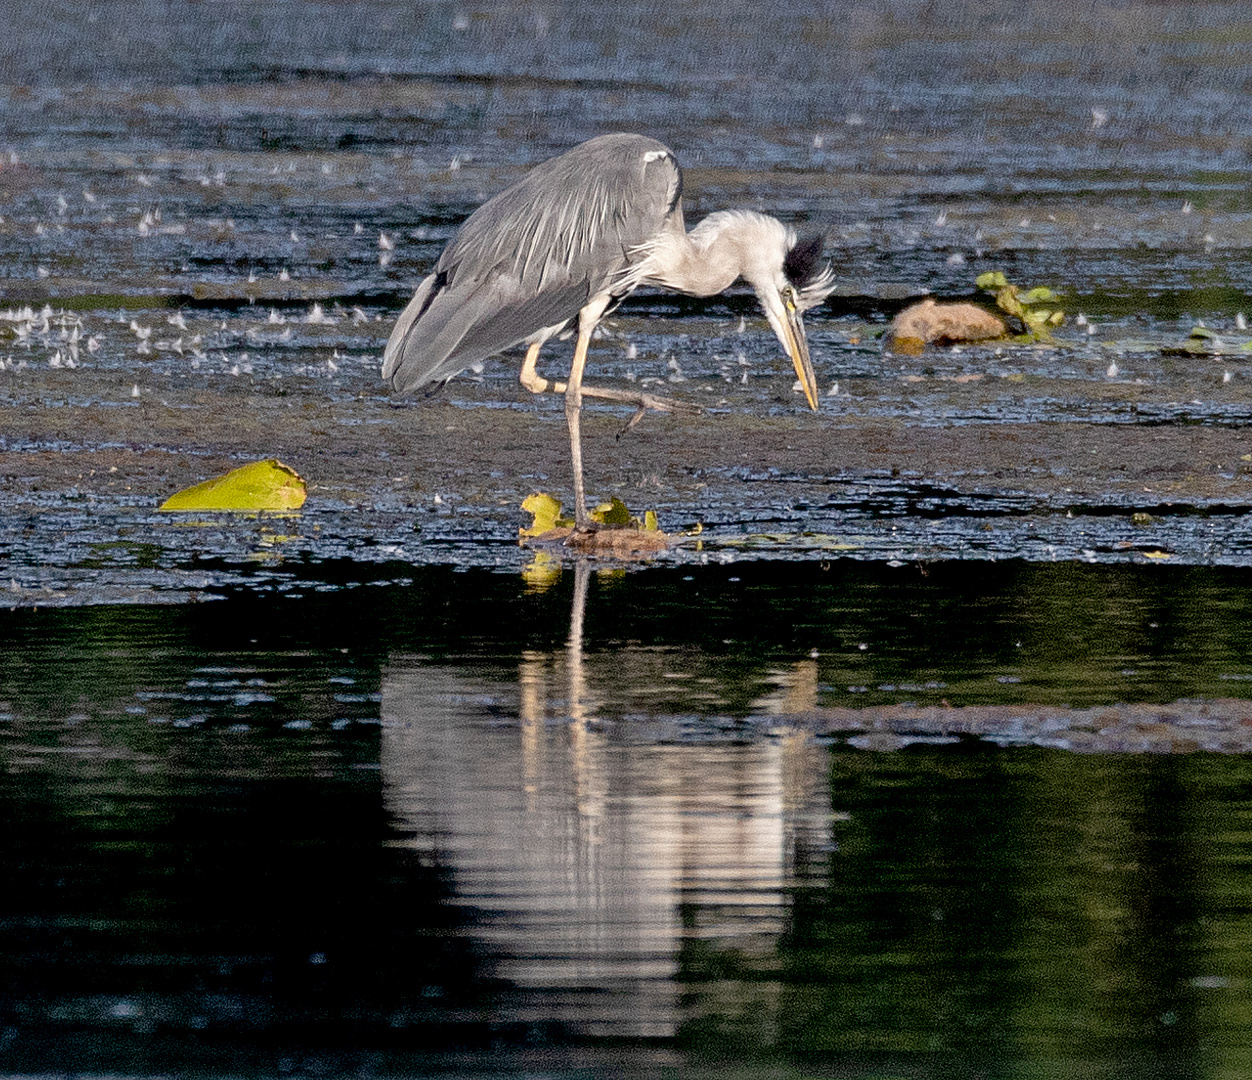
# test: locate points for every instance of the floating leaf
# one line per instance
(546, 513)
(1020, 304)
(262, 485)
(613, 512)
(614, 515)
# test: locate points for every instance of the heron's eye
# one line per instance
(789, 298)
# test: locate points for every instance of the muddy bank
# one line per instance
(984, 422)
(898, 465)
(490, 453)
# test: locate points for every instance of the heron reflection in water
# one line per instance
(568, 242)
(597, 837)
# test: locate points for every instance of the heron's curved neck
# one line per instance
(702, 271)
(708, 259)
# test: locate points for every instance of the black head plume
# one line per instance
(803, 263)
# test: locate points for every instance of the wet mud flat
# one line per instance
(982, 452)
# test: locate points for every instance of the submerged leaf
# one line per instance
(794, 541)
(262, 485)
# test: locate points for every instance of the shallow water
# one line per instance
(927, 756)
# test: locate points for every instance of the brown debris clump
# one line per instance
(614, 542)
(929, 323)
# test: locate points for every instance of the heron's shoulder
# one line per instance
(627, 166)
(622, 146)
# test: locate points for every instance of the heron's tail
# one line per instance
(399, 364)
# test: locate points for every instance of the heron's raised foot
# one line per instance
(537, 384)
(641, 401)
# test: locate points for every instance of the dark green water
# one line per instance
(412, 828)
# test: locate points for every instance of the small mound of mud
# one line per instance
(610, 542)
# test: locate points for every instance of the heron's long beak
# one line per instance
(788, 324)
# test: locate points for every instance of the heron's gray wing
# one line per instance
(460, 325)
(534, 255)
(575, 217)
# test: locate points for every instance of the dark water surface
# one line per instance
(929, 758)
(436, 826)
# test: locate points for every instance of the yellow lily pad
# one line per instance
(262, 485)
(546, 512)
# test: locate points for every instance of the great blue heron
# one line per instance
(567, 242)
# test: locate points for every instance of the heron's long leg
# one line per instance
(573, 418)
(587, 319)
(533, 382)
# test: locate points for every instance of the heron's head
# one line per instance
(789, 276)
